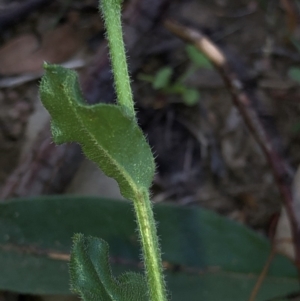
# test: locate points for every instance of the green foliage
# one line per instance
(214, 258)
(91, 275)
(197, 57)
(162, 80)
(110, 136)
(107, 135)
(112, 139)
(191, 96)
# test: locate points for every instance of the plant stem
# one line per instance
(151, 250)
(111, 10)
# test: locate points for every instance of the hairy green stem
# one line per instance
(111, 10)
(151, 250)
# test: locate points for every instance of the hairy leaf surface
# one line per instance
(106, 133)
(91, 275)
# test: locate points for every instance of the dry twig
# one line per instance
(245, 99)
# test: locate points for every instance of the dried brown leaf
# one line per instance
(25, 54)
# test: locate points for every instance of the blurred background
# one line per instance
(205, 154)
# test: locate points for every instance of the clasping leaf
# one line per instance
(91, 275)
(108, 135)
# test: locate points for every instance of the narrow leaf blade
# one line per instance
(212, 258)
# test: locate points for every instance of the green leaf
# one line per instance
(177, 88)
(197, 57)
(106, 133)
(162, 78)
(191, 96)
(91, 276)
(212, 257)
(294, 73)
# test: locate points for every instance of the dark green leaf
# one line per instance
(91, 276)
(107, 135)
(210, 257)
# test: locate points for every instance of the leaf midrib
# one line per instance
(122, 171)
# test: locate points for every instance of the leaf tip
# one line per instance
(46, 65)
